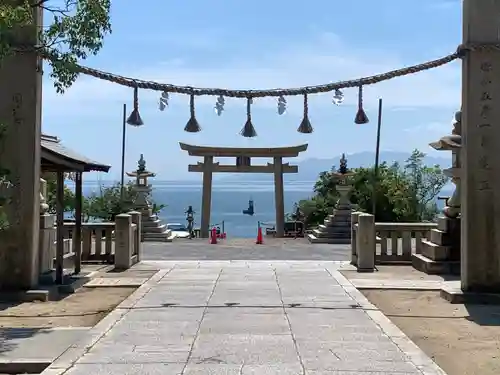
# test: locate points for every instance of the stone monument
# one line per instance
(441, 252)
(337, 227)
(152, 227)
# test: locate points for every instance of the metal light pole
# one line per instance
(377, 155)
(124, 130)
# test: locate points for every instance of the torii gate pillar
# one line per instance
(206, 199)
(279, 196)
(480, 199)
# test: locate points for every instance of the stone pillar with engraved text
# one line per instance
(480, 242)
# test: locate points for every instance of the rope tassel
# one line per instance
(361, 117)
(305, 126)
(135, 118)
(248, 130)
(192, 125)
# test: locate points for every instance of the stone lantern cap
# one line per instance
(451, 142)
(141, 169)
(343, 171)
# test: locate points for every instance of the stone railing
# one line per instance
(116, 242)
(97, 241)
(389, 242)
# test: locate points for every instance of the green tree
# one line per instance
(51, 198)
(74, 30)
(425, 183)
(402, 193)
(108, 203)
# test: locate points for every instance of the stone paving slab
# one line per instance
(298, 319)
(34, 348)
(109, 282)
(403, 284)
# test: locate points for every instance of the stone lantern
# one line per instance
(344, 185)
(337, 227)
(441, 252)
(152, 227)
(141, 187)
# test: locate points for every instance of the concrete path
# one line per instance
(245, 317)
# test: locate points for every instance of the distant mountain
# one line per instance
(309, 169)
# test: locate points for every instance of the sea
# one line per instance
(229, 199)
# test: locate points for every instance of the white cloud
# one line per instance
(325, 59)
(439, 129)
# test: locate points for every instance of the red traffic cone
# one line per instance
(213, 236)
(259, 236)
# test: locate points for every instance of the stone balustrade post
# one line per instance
(366, 243)
(123, 241)
(47, 239)
(354, 252)
(137, 220)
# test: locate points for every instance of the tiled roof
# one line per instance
(54, 146)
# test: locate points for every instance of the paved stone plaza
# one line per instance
(245, 249)
(245, 317)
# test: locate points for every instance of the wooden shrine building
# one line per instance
(55, 157)
(243, 157)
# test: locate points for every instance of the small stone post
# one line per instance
(137, 220)
(354, 252)
(123, 241)
(366, 243)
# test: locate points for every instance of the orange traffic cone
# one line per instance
(259, 236)
(213, 236)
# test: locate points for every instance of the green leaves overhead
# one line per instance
(72, 30)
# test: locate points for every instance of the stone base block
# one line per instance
(25, 296)
(440, 237)
(433, 267)
(458, 296)
(23, 367)
(435, 252)
(333, 241)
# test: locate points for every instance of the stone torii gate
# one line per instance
(243, 165)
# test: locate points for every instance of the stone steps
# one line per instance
(325, 240)
(158, 237)
(152, 223)
(433, 267)
(331, 233)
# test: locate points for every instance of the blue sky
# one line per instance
(263, 44)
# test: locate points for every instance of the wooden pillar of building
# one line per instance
(77, 234)
(60, 227)
(20, 116)
(206, 202)
(480, 242)
(279, 198)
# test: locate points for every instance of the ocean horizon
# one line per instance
(228, 201)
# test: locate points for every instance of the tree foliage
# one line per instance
(72, 30)
(102, 205)
(402, 193)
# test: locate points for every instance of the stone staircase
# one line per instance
(153, 228)
(336, 228)
(440, 254)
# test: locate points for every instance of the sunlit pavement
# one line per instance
(250, 317)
